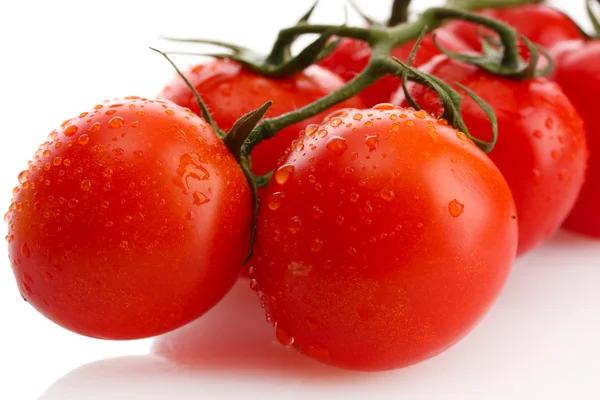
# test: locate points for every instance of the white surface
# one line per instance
(539, 341)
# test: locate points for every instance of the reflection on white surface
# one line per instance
(539, 341)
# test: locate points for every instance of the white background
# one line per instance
(541, 339)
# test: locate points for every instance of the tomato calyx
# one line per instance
(279, 62)
(498, 58)
(398, 15)
(593, 17)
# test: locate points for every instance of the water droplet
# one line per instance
(352, 251)
(311, 129)
(409, 123)
(116, 122)
(317, 212)
(110, 112)
(297, 268)
(295, 225)
(368, 124)
(282, 336)
(322, 133)
(105, 204)
(124, 245)
(46, 153)
(25, 250)
(335, 122)
(384, 106)
(456, 208)
(340, 219)
(118, 151)
(372, 141)
(461, 135)
(139, 112)
(253, 284)
(337, 145)
(554, 155)
(23, 176)
(73, 203)
(549, 123)
(71, 130)
(86, 185)
(387, 194)
(138, 154)
(66, 162)
(128, 219)
(354, 156)
(421, 114)
(283, 173)
(561, 139)
(354, 197)
(169, 112)
(83, 139)
(316, 245)
(109, 224)
(537, 134)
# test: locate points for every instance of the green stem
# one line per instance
(268, 127)
(399, 12)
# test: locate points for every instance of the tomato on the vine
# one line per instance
(231, 90)
(576, 70)
(132, 219)
(541, 149)
(384, 237)
(542, 24)
(352, 56)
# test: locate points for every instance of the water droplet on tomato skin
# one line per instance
(83, 139)
(284, 338)
(295, 225)
(337, 145)
(283, 173)
(86, 185)
(25, 250)
(70, 130)
(23, 176)
(372, 141)
(456, 208)
(253, 284)
(354, 197)
(116, 122)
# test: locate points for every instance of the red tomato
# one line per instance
(132, 220)
(230, 90)
(352, 56)
(541, 149)
(540, 23)
(577, 65)
(385, 236)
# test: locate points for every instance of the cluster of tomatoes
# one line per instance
(384, 233)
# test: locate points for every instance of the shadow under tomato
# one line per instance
(551, 299)
(235, 336)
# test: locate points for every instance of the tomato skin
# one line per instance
(576, 71)
(542, 24)
(230, 90)
(132, 220)
(541, 149)
(384, 237)
(352, 56)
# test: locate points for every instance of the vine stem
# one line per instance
(382, 41)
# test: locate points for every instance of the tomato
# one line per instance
(230, 90)
(131, 220)
(576, 72)
(540, 23)
(541, 149)
(352, 56)
(385, 236)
